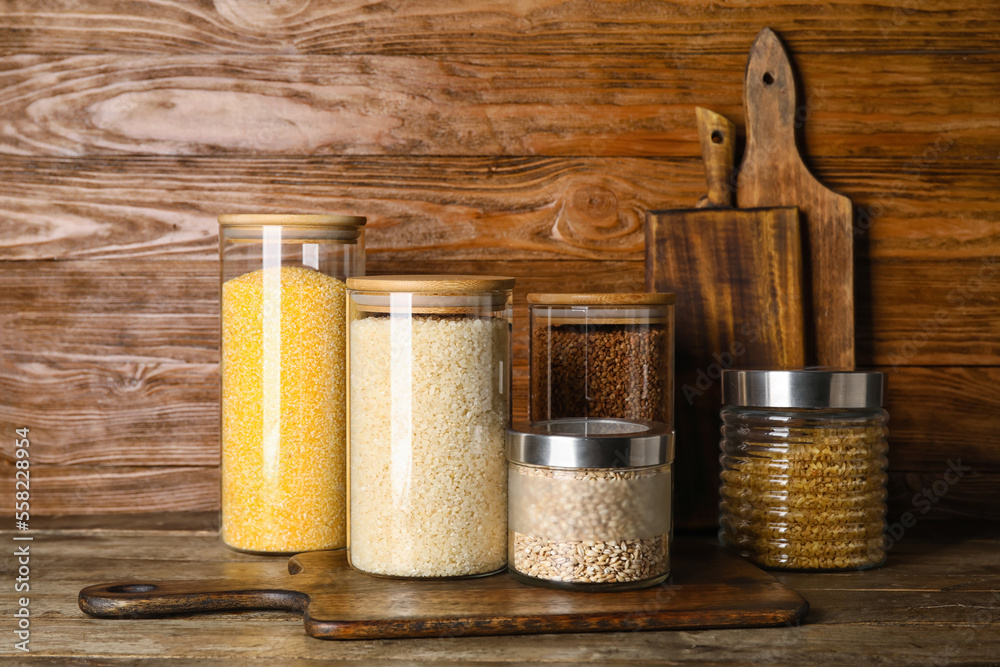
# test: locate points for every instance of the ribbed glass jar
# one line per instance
(590, 503)
(803, 480)
(429, 409)
(284, 379)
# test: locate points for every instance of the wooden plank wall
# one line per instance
(524, 137)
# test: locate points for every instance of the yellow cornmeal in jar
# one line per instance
(283, 411)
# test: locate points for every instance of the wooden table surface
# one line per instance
(936, 601)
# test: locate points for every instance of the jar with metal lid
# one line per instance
(284, 379)
(590, 503)
(430, 405)
(602, 356)
(803, 480)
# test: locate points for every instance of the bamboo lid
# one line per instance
(431, 283)
(257, 219)
(604, 299)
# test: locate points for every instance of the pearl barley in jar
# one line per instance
(429, 408)
(590, 503)
(284, 379)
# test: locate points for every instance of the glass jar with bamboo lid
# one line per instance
(284, 376)
(429, 407)
(602, 356)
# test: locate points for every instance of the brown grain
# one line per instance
(600, 371)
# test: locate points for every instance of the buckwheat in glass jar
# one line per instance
(590, 503)
(429, 408)
(284, 379)
(803, 482)
(602, 356)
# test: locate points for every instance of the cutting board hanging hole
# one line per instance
(774, 174)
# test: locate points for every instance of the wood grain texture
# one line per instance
(562, 27)
(117, 365)
(437, 208)
(326, 106)
(162, 524)
(111, 411)
(922, 443)
(941, 413)
(115, 362)
(711, 588)
(737, 274)
(933, 602)
(141, 313)
(930, 312)
(772, 173)
(942, 496)
(236, 639)
(718, 137)
(477, 208)
(504, 135)
(88, 489)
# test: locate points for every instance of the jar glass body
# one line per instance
(283, 368)
(602, 361)
(590, 528)
(430, 403)
(804, 489)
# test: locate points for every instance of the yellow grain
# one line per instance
(283, 411)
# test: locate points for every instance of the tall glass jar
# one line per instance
(430, 404)
(602, 356)
(284, 378)
(590, 503)
(803, 481)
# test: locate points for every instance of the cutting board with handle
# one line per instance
(711, 587)
(772, 173)
(737, 274)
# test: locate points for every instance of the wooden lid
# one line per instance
(431, 283)
(257, 219)
(604, 299)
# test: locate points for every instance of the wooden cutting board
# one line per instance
(711, 588)
(772, 173)
(737, 274)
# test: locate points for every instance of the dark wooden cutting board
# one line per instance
(710, 588)
(773, 173)
(737, 274)
(768, 284)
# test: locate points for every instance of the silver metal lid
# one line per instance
(802, 389)
(591, 443)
